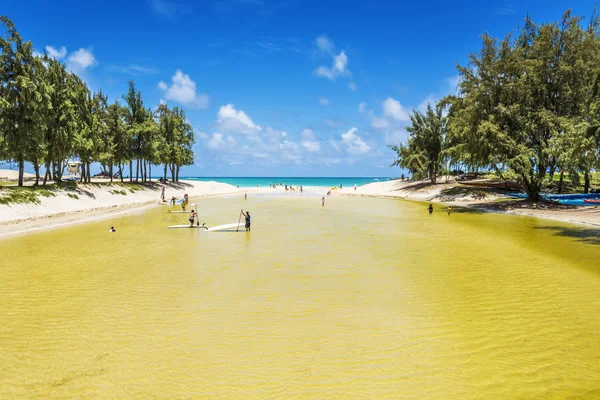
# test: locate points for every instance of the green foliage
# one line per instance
(529, 105)
(73, 196)
(48, 116)
(423, 154)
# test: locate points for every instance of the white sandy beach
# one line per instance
(455, 194)
(95, 201)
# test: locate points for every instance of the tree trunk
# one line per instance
(89, 175)
(560, 181)
(36, 166)
(173, 172)
(432, 175)
(586, 184)
(121, 172)
(137, 170)
(61, 168)
(165, 174)
(46, 174)
(532, 189)
(110, 170)
(177, 174)
(149, 171)
(502, 177)
(130, 170)
(20, 173)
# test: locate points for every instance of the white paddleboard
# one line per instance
(187, 226)
(228, 227)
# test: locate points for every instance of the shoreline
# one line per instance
(99, 200)
(481, 199)
(60, 210)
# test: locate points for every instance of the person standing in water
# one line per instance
(192, 218)
(449, 210)
(322, 201)
(247, 216)
(430, 209)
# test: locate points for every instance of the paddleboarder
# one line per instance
(430, 209)
(192, 218)
(247, 216)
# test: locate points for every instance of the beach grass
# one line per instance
(23, 195)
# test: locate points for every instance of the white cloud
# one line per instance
(354, 143)
(379, 123)
(324, 44)
(202, 134)
(352, 86)
(81, 60)
(323, 101)
(217, 142)
(233, 121)
(392, 108)
(287, 145)
(339, 67)
(308, 141)
(183, 90)
(311, 145)
(55, 53)
(362, 107)
(334, 144)
(133, 69)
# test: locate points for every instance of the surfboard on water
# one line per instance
(228, 227)
(182, 212)
(188, 226)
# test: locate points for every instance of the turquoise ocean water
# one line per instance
(295, 182)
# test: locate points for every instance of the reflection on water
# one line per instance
(362, 298)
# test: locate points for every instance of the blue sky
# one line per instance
(278, 87)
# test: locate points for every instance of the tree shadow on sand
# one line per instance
(415, 186)
(459, 192)
(584, 235)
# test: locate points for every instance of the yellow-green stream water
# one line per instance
(362, 298)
